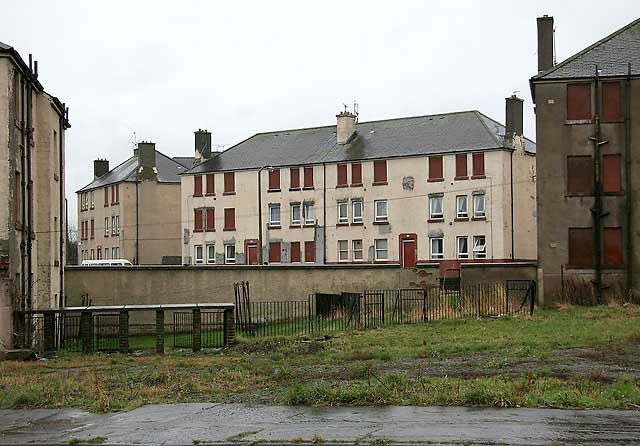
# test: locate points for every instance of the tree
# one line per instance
(72, 244)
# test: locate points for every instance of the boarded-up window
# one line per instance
(274, 252)
(117, 193)
(229, 219)
(478, 165)
(295, 252)
(612, 246)
(197, 220)
(461, 165)
(229, 183)
(309, 251)
(435, 168)
(308, 177)
(611, 174)
(197, 186)
(356, 174)
(210, 184)
(93, 228)
(581, 247)
(274, 179)
(106, 196)
(113, 194)
(17, 197)
(211, 220)
(612, 102)
(380, 172)
(342, 175)
(579, 175)
(295, 177)
(578, 102)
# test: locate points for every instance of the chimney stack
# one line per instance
(202, 145)
(346, 127)
(545, 43)
(147, 160)
(100, 167)
(514, 106)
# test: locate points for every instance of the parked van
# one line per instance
(112, 262)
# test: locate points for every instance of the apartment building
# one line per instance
(588, 127)
(32, 203)
(445, 189)
(132, 211)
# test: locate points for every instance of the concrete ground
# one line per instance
(182, 424)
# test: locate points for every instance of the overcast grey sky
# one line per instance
(163, 69)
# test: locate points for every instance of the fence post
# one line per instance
(477, 290)
(49, 332)
(229, 327)
(506, 300)
(196, 338)
(86, 322)
(160, 331)
(123, 332)
(532, 288)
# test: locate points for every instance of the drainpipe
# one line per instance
(137, 227)
(62, 200)
(512, 222)
(260, 256)
(597, 207)
(23, 195)
(324, 213)
(29, 221)
(629, 190)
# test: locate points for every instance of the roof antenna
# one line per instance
(355, 110)
(554, 47)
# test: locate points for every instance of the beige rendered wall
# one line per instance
(6, 203)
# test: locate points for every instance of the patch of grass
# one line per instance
(380, 441)
(317, 439)
(94, 440)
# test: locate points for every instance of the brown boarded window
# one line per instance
(274, 179)
(229, 183)
(612, 102)
(309, 251)
(308, 177)
(295, 252)
(197, 186)
(93, 228)
(579, 102)
(579, 175)
(356, 174)
(117, 193)
(230, 219)
(113, 194)
(210, 184)
(461, 166)
(611, 174)
(106, 196)
(17, 195)
(197, 220)
(612, 246)
(274, 252)
(211, 220)
(581, 247)
(478, 165)
(380, 172)
(295, 177)
(342, 175)
(435, 168)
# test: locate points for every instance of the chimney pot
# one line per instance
(100, 167)
(514, 116)
(545, 43)
(202, 145)
(346, 127)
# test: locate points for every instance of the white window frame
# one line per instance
(479, 250)
(355, 251)
(459, 212)
(460, 254)
(308, 214)
(106, 226)
(477, 199)
(343, 206)
(92, 254)
(379, 216)
(357, 217)
(343, 248)
(436, 215)
(93, 201)
(434, 255)
(272, 222)
(211, 260)
(107, 251)
(297, 221)
(228, 260)
(198, 260)
(117, 225)
(377, 249)
(113, 225)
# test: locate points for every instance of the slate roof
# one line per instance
(4, 46)
(186, 161)
(169, 171)
(420, 135)
(612, 55)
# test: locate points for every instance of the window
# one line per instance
(478, 165)
(106, 226)
(461, 166)
(274, 252)
(579, 175)
(117, 225)
(356, 174)
(343, 250)
(210, 220)
(436, 211)
(356, 214)
(308, 177)
(17, 193)
(612, 102)
(381, 215)
(357, 250)
(211, 253)
(342, 175)
(435, 168)
(106, 196)
(229, 183)
(107, 253)
(309, 252)
(479, 247)
(462, 209)
(343, 212)
(274, 215)
(612, 241)
(436, 246)
(93, 227)
(230, 219)
(308, 214)
(93, 199)
(295, 252)
(380, 172)
(463, 247)
(113, 195)
(210, 184)
(99, 253)
(579, 102)
(611, 176)
(113, 225)
(478, 206)
(93, 254)
(294, 173)
(381, 249)
(581, 247)
(198, 224)
(117, 193)
(295, 214)
(197, 186)
(198, 254)
(229, 254)
(274, 180)
(115, 252)
(16, 95)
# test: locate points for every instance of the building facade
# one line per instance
(443, 189)
(132, 212)
(588, 125)
(32, 208)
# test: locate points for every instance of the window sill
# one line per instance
(463, 258)
(308, 188)
(272, 227)
(106, 205)
(478, 177)
(380, 183)
(577, 195)
(380, 222)
(194, 196)
(478, 218)
(210, 230)
(341, 186)
(273, 190)
(613, 121)
(357, 224)
(309, 225)
(298, 226)
(434, 180)
(577, 121)
(198, 230)
(210, 195)
(106, 236)
(228, 193)
(356, 185)
(341, 224)
(466, 177)
(294, 189)
(461, 219)
(613, 194)
(435, 220)
(229, 229)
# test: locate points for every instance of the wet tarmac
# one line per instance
(188, 424)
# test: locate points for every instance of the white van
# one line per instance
(112, 262)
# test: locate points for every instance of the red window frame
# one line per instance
(230, 219)
(211, 188)
(274, 179)
(294, 174)
(93, 228)
(435, 168)
(197, 185)
(462, 172)
(197, 220)
(580, 247)
(117, 193)
(296, 254)
(579, 175)
(106, 196)
(478, 165)
(612, 102)
(229, 183)
(579, 102)
(309, 251)
(342, 175)
(380, 172)
(612, 247)
(211, 220)
(308, 177)
(356, 174)
(275, 255)
(612, 174)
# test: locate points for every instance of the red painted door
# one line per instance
(252, 254)
(408, 253)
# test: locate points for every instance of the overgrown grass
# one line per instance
(393, 365)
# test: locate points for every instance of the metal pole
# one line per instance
(629, 190)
